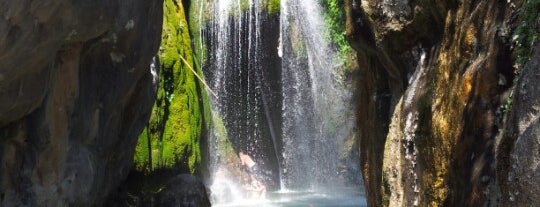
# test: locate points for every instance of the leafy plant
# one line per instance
(334, 18)
(526, 34)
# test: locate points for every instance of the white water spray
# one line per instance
(278, 96)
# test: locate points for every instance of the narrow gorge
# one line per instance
(269, 103)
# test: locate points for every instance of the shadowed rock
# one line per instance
(75, 91)
(434, 75)
(184, 191)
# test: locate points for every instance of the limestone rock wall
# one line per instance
(75, 91)
(436, 78)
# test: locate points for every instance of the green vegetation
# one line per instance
(197, 21)
(507, 105)
(270, 6)
(525, 34)
(225, 146)
(244, 5)
(334, 17)
(524, 37)
(171, 138)
(200, 13)
(273, 6)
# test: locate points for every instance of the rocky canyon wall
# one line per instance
(75, 91)
(438, 81)
(518, 168)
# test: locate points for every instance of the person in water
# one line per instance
(257, 186)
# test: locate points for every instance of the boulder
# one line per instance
(183, 191)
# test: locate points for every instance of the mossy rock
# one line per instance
(172, 137)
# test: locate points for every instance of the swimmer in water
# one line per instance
(255, 174)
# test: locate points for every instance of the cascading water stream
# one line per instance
(313, 98)
(248, 101)
(280, 98)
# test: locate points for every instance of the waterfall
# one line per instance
(280, 93)
(246, 79)
(316, 103)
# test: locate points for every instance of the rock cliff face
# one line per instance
(437, 76)
(75, 91)
(519, 168)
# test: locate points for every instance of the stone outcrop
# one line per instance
(436, 77)
(75, 91)
(519, 168)
(184, 191)
(174, 134)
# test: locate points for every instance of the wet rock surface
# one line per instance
(183, 191)
(75, 91)
(435, 77)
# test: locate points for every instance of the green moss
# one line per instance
(270, 6)
(225, 146)
(141, 151)
(273, 6)
(197, 21)
(200, 14)
(244, 5)
(175, 127)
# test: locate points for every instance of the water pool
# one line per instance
(330, 198)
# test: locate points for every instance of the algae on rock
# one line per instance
(176, 125)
